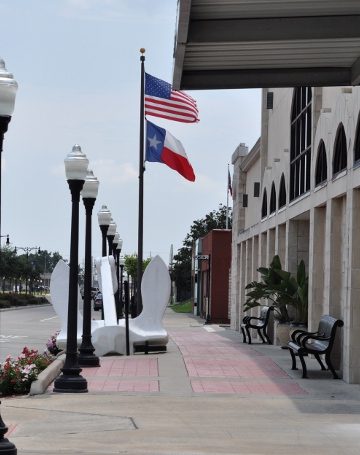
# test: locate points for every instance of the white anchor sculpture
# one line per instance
(108, 336)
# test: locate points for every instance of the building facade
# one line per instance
(297, 194)
(213, 276)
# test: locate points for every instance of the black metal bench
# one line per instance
(260, 324)
(317, 343)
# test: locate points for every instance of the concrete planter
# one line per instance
(282, 333)
(47, 376)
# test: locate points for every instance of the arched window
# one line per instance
(273, 199)
(282, 192)
(357, 142)
(264, 210)
(321, 165)
(340, 151)
(300, 142)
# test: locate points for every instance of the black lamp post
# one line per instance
(70, 380)
(111, 235)
(87, 358)
(104, 218)
(8, 88)
(116, 257)
(127, 304)
(121, 293)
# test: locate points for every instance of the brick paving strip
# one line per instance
(218, 365)
(109, 377)
(213, 364)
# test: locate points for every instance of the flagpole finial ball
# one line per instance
(142, 50)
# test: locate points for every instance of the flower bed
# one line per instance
(16, 375)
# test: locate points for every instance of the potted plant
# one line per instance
(288, 295)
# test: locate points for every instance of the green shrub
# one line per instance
(20, 300)
(183, 307)
(5, 304)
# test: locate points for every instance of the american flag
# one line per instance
(162, 101)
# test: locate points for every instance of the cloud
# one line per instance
(113, 10)
(114, 173)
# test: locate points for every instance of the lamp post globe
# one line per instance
(70, 380)
(87, 358)
(91, 186)
(104, 218)
(8, 89)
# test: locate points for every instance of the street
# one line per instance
(26, 326)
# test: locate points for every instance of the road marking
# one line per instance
(48, 319)
(13, 336)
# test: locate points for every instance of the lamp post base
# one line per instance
(87, 358)
(70, 382)
(6, 447)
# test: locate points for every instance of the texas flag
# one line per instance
(162, 147)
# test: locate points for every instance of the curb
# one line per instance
(47, 376)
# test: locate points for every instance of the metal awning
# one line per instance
(266, 43)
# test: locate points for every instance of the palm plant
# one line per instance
(282, 289)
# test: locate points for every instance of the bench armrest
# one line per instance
(304, 340)
(298, 333)
(255, 318)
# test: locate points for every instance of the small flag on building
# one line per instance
(163, 147)
(162, 101)
(229, 183)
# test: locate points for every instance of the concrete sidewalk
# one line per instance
(209, 394)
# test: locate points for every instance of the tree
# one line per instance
(131, 269)
(181, 272)
(45, 261)
(21, 267)
(131, 265)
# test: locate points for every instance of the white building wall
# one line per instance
(252, 176)
(322, 226)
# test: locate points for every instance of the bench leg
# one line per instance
(303, 364)
(293, 358)
(243, 334)
(266, 336)
(260, 334)
(331, 368)
(248, 334)
(318, 358)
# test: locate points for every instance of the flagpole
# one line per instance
(141, 189)
(227, 200)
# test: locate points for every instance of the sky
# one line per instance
(77, 63)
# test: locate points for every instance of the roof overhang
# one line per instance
(223, 44)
